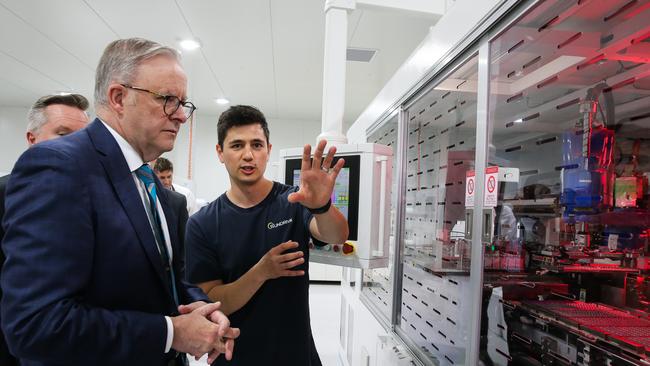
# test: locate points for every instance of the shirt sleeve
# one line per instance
(201, 260)
(170, 334)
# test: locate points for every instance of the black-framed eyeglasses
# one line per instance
(172, 102)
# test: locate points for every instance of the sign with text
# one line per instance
(491, 186)
(470, 188)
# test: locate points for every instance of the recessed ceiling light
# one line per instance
(222, 101)
(63, 93)
(518, 120)
(190, 44)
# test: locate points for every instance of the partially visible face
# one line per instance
(166, 177)
(245, 153)
(60, 120)
(145, 125)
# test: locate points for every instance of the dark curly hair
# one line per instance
(240, 115)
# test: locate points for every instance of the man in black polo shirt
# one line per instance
(249, 247)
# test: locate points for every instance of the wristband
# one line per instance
(321, 210)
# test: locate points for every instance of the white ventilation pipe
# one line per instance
(334, 64)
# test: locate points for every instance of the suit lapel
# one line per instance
(121, 178)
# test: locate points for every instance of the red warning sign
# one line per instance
(470, 183)
(491, 186)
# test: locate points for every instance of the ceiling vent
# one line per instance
(360, 54)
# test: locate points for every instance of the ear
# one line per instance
(220, 153)
(116, 98)
(268, 156)
(31, 139)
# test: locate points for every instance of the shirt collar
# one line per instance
(133, 159)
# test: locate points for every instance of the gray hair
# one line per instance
(120, 61)
(36, 116)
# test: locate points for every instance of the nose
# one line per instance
(248, 154)
(179, 115)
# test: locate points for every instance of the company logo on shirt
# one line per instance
(272, 225)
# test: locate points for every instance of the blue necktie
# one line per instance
(145, 174)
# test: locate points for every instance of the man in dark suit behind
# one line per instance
(178, 204)
(50, 117)
(92, 275)
(5, 357)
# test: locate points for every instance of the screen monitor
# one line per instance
(345, 195)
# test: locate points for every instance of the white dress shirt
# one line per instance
(134, 161)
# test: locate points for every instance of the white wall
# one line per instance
(13, 124)
(209, 177)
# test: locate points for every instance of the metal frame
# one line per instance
(402, 138)
(480, 162)
(388, 322)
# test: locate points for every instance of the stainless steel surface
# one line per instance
(401, 211)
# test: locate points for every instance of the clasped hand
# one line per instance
(202, 328)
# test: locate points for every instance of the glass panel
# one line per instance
(378, 283)
(435, 285)
(566, 266)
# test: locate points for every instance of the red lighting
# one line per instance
(591, 62)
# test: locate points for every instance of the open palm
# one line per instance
(317, 177)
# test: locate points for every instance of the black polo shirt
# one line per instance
(224, 241)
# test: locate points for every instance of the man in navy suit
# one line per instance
(92, 275)
(51, 116)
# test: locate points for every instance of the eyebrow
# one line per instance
(240, 141)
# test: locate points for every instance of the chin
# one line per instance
(250, 180)
(165, 147)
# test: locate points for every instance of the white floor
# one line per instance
(325, 307)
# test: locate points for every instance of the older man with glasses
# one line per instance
(93, 273)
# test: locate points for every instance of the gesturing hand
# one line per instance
(275, 264)
(316, 180)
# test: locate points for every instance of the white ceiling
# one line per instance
(267, 53)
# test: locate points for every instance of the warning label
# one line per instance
(491, 186)
(470, 188)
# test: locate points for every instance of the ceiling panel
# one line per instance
(18, 73)
(12, 94)
(260, 52)
(298, 57)
(394, 36)
(70, 24)
(236, 38)
(27, 46)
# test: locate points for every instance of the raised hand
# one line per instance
(275, 264)
(317, 177)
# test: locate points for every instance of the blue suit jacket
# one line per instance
(83, 281)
